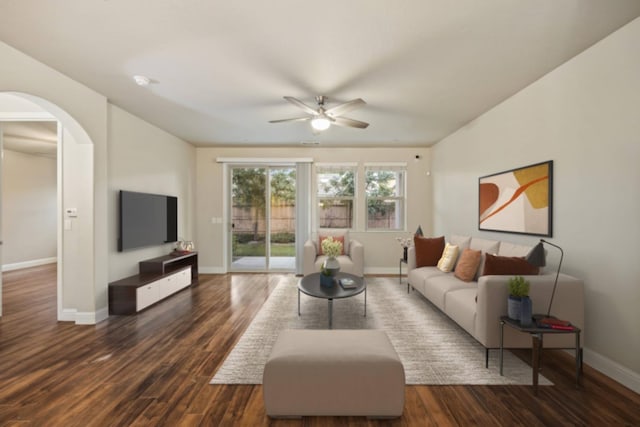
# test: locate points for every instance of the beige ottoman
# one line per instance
(333, 372)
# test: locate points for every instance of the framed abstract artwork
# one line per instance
(518, 200)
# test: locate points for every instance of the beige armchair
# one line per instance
(351, 262)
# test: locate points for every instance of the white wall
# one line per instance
(146, 159)
(87, 118)
(10, 104)
(29, 208)
(77, 184)
(83, 112)
(382, 252)
(585, 117)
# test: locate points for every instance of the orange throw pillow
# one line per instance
(468, 265)
(335, 239)
(508, 265)
(428, 250)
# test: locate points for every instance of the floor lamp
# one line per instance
(537, 257)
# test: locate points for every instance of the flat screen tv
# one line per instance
(146, 220)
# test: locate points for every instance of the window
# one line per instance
(336, 195)
(385, 193)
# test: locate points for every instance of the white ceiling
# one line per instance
(220, 68)
(36, 138)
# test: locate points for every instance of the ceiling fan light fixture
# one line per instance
(322, 119)
(142, 80)
(320, 123)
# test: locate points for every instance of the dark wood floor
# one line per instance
(154, 369)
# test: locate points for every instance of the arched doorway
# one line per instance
(75, 198)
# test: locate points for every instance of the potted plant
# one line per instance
(519, 303)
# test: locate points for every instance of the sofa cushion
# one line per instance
(436, 288)
(461, 242)
(507, 265)
(428, 250)
(487, 247)
(484, 245)
(418, 276)
(449, 258)
(467, 265)
(460, 305)
(511, 249)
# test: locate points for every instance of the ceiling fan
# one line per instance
(322, 119)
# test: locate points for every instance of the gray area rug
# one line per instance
(433, 349)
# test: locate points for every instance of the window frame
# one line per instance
(323, 168)
(401, 199)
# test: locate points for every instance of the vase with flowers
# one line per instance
(331, 248)
(405, 242)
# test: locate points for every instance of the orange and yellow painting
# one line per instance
(517, 201)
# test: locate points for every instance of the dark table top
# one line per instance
(310, 285)
(534, 329)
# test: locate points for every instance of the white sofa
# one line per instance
(477, 306)
(351, 262)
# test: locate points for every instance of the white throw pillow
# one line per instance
(449, 258)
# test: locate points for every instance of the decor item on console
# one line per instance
(331, 248)
(519, 303)
(517, 201)
(405, 242)
(184, 247)
(477, 305)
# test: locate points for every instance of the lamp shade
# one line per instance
(536, 256)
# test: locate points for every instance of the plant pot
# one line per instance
(326, 281)
(525, 311)
(332, 266)
(514, 307)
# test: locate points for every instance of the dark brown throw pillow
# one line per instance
(428, 250)
(508, 265)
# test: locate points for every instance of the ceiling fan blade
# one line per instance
(297, 119)
(343, 121)
(301, 104)
(346, 107)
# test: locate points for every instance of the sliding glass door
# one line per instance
(282, 218)
(263, 202)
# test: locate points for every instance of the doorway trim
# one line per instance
(82, 310)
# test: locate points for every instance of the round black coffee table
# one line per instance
(310, 285)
